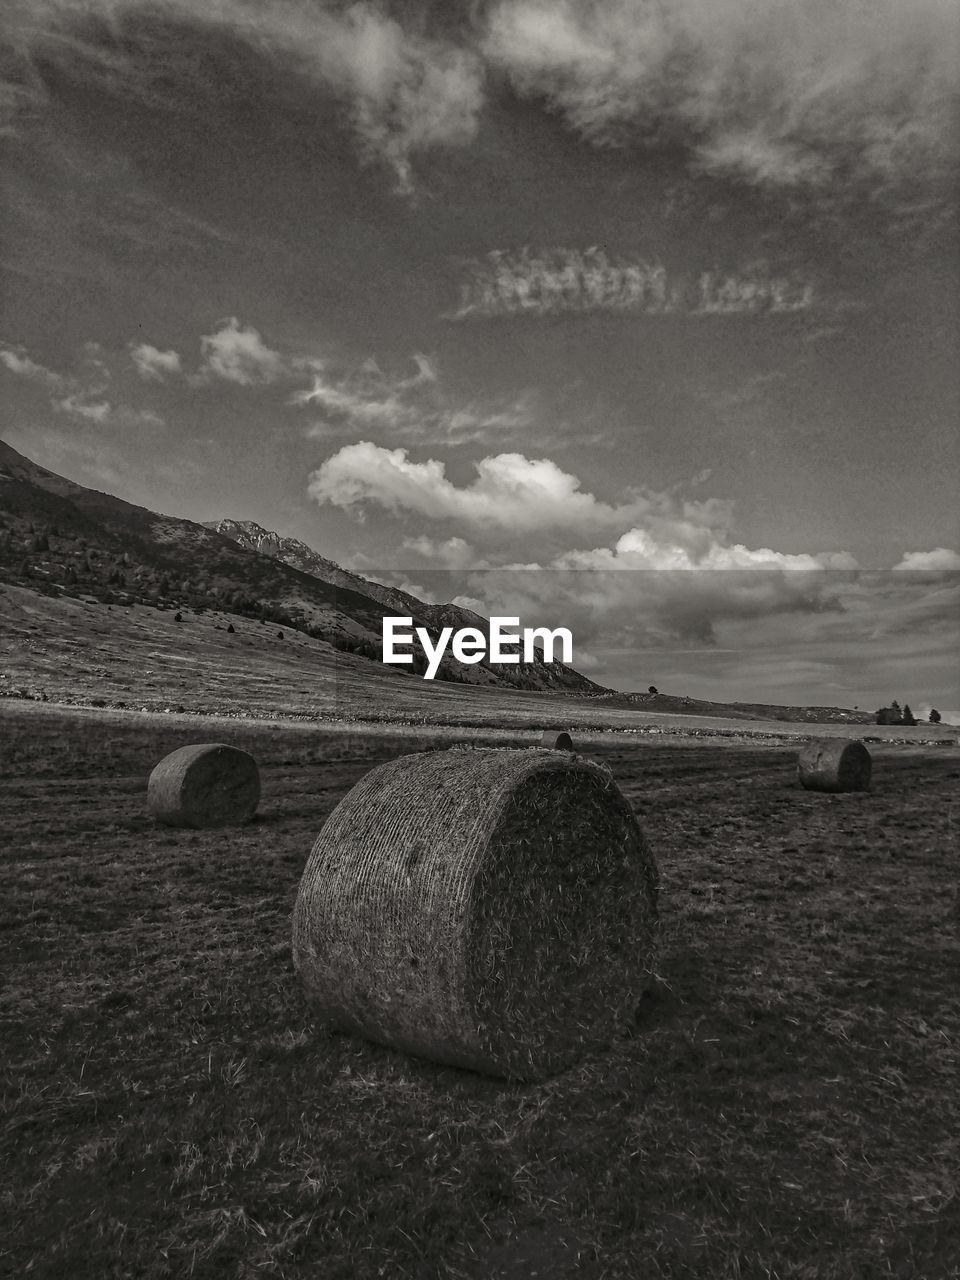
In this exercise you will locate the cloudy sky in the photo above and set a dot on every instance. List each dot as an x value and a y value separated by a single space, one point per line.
656 298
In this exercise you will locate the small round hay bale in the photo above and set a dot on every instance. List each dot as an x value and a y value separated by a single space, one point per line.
834 764
490 909
556 741
206 785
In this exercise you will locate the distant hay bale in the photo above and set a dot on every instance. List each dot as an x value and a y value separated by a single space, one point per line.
556 741
206 785
490 909
834 764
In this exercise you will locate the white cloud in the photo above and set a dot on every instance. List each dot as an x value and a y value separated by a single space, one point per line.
154 365
667 573
937 559
239 355
511 492
686 544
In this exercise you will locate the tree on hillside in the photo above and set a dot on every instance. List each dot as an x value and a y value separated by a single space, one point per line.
652 689
934 715
908 717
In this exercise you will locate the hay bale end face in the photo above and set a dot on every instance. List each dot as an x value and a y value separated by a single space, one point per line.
556 741
834 764
207 785
489 909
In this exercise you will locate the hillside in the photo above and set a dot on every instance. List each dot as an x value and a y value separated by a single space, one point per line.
293 552
58 537
673 705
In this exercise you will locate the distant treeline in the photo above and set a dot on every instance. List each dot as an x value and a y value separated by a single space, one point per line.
894 714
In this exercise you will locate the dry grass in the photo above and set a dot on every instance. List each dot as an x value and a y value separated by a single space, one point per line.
95 655
788 1108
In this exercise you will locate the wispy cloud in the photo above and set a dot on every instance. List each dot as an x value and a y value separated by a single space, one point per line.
81 395
89 406
16 360
779 92
85 405
559 280
782 93
408 408
115 465
448 553
403 91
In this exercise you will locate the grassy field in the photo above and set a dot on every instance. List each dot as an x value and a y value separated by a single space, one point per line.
787 1108
82 653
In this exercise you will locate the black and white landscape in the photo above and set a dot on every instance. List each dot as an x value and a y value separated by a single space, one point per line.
633 317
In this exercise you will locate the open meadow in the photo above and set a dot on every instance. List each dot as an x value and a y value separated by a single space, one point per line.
787 1106
83 653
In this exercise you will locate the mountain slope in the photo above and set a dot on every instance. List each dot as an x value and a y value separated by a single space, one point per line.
59 537
291 551
65 535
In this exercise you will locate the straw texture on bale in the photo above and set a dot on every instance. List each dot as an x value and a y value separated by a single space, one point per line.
490 909
834 764
206 785
556 741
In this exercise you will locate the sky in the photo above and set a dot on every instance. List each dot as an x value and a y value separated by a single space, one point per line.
636 316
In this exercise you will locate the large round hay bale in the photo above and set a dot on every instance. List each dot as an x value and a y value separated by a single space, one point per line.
834 764
206 785
556 741
491 909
